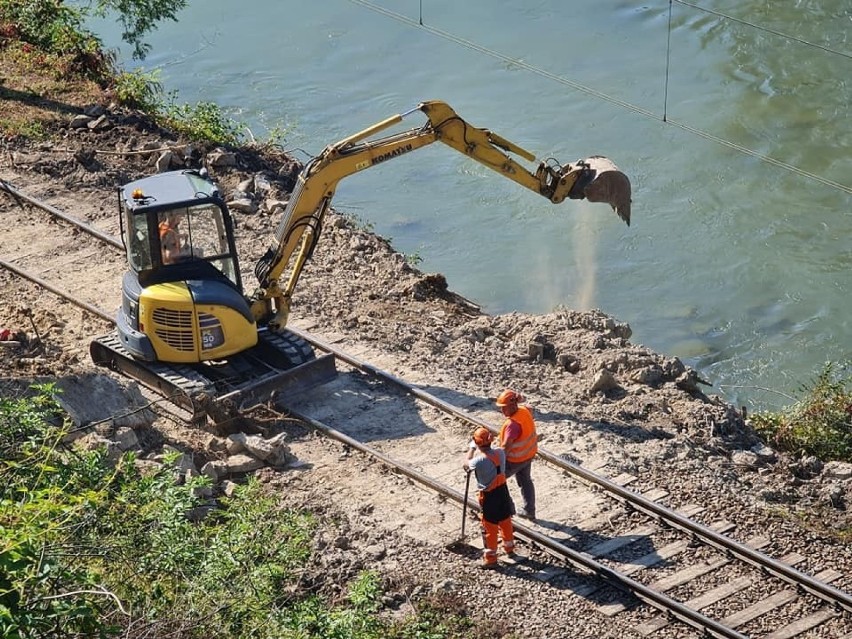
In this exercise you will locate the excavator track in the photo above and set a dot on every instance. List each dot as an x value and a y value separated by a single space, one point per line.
281 363
177 383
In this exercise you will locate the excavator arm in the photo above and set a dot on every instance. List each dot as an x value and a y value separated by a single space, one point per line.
596 179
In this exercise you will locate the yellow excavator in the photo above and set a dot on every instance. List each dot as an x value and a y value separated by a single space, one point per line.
186 328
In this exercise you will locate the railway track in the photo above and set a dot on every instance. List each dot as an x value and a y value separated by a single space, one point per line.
627 547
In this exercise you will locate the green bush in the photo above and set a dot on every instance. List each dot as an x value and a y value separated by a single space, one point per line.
203 122
55 29
41 502
58 27
819 424
138 89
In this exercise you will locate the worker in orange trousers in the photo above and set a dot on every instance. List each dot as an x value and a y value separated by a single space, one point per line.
489 468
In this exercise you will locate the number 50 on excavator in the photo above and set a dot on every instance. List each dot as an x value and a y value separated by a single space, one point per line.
187 329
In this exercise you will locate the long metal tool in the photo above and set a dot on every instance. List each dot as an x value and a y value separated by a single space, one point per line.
461 544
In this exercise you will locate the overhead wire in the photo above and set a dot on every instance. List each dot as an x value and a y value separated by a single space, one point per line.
668 60
419 24
758 27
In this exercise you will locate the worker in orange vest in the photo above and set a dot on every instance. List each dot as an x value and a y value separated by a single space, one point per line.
489 468
519 439
171 238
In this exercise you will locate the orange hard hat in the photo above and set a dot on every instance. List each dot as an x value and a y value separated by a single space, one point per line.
482 437
508 397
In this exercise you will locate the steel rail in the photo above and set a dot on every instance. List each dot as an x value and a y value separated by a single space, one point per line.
84 226
672 518
656 599
74 300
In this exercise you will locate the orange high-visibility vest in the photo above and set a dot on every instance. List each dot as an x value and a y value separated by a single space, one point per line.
500 479
526 446
169 235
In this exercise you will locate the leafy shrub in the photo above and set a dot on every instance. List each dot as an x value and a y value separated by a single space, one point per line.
40 501
55 29
138 89
820 423
58 27
203 121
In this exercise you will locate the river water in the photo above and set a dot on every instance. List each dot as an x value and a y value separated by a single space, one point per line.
732 123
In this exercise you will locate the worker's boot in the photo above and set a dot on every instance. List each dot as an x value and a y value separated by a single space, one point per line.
489 559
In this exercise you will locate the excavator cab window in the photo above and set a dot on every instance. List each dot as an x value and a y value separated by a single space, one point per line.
180 236
138 246
198 233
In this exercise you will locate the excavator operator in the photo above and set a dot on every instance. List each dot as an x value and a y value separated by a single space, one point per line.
170 238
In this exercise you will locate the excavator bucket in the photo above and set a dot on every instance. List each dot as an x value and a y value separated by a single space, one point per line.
605 183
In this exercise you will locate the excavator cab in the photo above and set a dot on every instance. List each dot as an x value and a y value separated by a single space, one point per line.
182 299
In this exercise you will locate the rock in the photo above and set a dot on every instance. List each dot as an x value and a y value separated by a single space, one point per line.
191 152
239 464
745 459
689 381
604 381
200 513
273 451
764 453
569 362
243 205
101 123
164 162
647 375
234 444
199 492
276 207
214 470
217 444
219 158
94 110
229 488
444 585
91 441
184 463
375 552
806 467
834 495
146 467
837 470
262 185
80 122
117 405
125 438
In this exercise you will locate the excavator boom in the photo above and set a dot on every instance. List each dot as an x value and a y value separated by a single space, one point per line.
596 179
